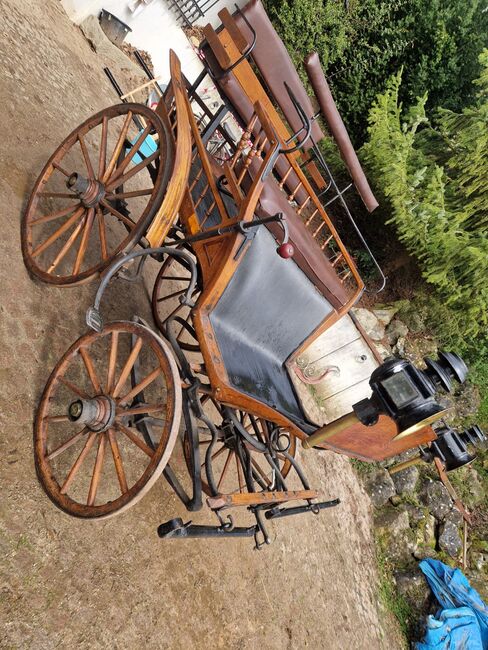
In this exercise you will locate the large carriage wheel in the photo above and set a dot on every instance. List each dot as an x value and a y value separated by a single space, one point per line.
226 467
89 454
171 283
97 194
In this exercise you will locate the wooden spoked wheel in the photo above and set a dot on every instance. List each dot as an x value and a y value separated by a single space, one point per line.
227 469
171 283
97 194
90 456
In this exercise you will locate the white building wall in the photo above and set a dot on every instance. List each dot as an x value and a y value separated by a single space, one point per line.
154 30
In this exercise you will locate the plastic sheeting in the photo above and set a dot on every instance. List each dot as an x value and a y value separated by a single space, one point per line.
463 623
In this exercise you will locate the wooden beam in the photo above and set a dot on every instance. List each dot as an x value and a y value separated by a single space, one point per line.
258 498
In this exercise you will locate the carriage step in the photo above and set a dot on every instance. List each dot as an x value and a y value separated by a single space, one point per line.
175 528
258 498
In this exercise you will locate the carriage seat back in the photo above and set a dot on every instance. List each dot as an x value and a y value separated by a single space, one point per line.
308 254
275 65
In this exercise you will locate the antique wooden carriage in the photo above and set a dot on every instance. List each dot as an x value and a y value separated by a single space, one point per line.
256 347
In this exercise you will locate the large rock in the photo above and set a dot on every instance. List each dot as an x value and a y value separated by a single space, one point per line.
401 547
384 350
425 532
406 480
395 330
412 586
423 552
373 327
385 314
454 516
391 522
416 513
437 499
477 492
399 347
449 539
380 487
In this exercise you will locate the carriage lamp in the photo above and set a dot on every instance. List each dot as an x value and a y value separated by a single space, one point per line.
403 392
451 446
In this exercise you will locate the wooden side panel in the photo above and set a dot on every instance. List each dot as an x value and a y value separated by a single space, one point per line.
376 443
168 211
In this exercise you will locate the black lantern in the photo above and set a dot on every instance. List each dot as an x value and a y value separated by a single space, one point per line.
403 392
407 394
451 447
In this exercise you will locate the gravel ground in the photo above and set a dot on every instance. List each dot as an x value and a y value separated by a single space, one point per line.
67 583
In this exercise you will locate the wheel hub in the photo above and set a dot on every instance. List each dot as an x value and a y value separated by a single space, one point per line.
98 414
91 192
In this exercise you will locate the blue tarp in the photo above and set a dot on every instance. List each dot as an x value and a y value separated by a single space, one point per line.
463 623
147 148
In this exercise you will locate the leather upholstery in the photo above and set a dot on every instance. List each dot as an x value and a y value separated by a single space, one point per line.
338 130
266 311
276 67
308 254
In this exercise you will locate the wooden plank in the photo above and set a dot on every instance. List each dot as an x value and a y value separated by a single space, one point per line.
252 87
217 47
257 498
376 442
168 211
235 33
232 183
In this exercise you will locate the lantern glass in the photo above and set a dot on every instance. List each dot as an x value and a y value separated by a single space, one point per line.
400 389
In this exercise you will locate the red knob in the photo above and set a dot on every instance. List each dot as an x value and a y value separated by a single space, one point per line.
286 250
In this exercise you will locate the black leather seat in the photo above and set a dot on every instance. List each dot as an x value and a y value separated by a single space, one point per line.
267 310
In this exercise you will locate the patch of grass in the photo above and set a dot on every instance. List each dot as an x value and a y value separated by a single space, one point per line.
389 597
362 469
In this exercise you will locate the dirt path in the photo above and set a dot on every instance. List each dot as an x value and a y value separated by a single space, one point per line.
66 583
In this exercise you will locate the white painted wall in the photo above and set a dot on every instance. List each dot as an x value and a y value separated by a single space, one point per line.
154 29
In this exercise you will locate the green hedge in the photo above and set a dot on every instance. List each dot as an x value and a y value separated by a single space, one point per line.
363 42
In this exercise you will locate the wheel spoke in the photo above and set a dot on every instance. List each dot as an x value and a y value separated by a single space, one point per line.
172 295
60 169
56 215
90 370
240 479
134 149
102 233
73 388
127 367
135 438
135 170
86 157
130 195
224 471
74 470
118 148
97 471
260 471
57 418
66 247
58 195
122 217
102 157
119 468
140 386
56 234
112 360
66 445
84 241
140 409
176 277
217 454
